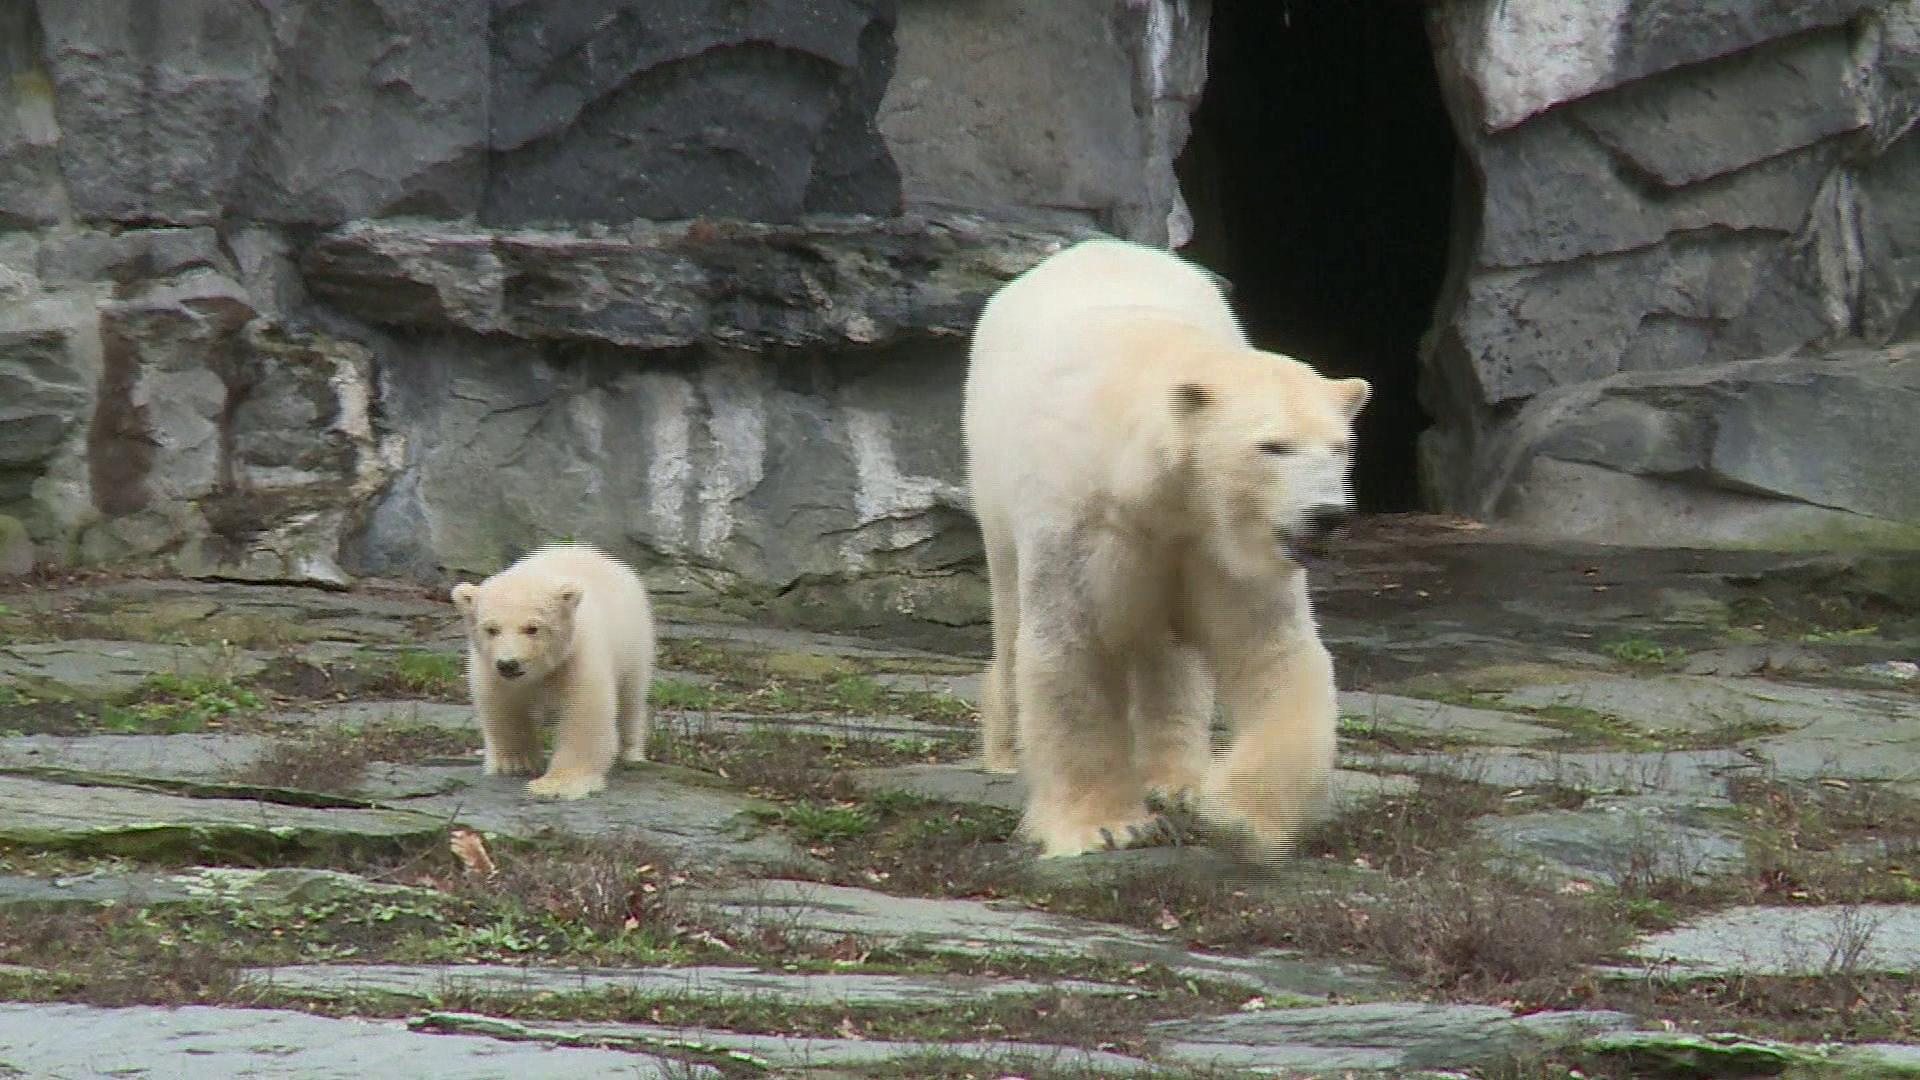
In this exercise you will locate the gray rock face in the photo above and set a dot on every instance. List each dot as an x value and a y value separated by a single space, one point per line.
1669 198
1077 106
613 110
320 114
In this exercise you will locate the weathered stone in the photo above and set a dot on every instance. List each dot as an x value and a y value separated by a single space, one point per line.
1890 241
883 728
1434 719
47 373
819 282
768 474
1718 427
204 763
133 257
226 885
762 115
1694 703
969 784
1788 941
106 668
1696 123
435 982
1517 61
790 1051
216 437
968 927
995 105
202 1040
1690 773
156 109
16 547
1387 1035
1552 195
693 817
1614 840
376 109
1686 1054
31 191
127 821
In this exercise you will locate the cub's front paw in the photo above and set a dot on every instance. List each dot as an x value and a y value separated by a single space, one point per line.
567 784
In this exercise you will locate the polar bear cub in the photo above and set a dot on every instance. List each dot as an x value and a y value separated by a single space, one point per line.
566 632
1146 484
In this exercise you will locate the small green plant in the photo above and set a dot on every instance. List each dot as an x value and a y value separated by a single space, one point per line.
1641 652
172 704
1816 637
816 823
428 672
678 694
857 693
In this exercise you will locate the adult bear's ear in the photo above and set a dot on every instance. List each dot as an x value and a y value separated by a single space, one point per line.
569 596
1354 394
1190 398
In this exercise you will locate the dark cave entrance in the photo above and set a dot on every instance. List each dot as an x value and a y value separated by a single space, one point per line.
1320 176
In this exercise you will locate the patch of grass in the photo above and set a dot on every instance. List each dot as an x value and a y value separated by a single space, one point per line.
1642 652
855 693
816 823
333 759
173 704
429 673
1828 844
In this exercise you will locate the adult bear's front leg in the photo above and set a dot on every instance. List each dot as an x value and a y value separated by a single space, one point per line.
1084 788
1275 777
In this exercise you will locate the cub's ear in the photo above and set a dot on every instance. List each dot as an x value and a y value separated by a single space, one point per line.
568 594
1354 394
463 597
1190 398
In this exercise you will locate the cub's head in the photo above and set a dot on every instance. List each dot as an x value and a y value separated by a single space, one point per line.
519 628
1272 460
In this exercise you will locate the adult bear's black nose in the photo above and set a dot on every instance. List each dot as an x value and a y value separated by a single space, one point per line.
1325 520
509 667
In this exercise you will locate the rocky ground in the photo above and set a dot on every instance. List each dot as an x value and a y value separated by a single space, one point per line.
1621 813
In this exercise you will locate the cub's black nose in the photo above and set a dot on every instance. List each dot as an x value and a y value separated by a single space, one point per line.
510 668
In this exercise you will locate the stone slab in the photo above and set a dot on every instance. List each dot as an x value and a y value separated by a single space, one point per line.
127 821
50 1040
975 928
1387 1035
93 668
1614 839
433 982
792 1051
1788 941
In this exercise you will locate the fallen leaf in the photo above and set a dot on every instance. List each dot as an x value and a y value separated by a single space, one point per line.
472 852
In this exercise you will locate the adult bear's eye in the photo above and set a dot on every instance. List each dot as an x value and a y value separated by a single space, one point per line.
1277 447
529 630
493 631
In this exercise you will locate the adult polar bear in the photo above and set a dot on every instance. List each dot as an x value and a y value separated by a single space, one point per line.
1145 482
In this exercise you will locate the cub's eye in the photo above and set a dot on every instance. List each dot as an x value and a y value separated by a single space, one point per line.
1344 449
529 630
493 631
1274 446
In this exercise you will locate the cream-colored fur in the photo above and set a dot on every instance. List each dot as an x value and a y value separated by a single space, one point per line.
577 623
1145 481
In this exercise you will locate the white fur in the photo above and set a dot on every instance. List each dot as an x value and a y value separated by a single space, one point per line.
1141 536
579 623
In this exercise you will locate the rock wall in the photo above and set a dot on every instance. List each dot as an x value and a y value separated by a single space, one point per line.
306 290
1686 223
299 291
